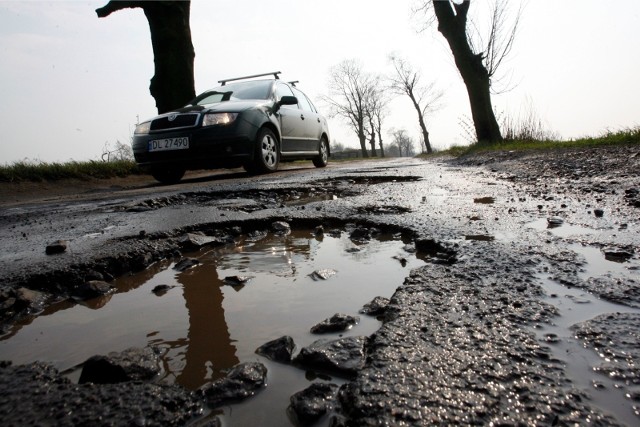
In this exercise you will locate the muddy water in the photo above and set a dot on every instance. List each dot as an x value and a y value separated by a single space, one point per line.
205 326
577 305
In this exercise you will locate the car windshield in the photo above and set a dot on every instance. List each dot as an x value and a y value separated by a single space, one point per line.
258 89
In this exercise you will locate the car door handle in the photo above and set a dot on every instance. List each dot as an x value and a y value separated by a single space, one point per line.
302 116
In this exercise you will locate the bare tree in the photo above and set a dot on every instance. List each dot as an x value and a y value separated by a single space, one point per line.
376 113
337 146
172 86
117 152
425 98
350 93
500 40
371 133
379 115
403 142
476 64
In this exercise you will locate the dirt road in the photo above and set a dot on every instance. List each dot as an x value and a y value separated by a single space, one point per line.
526 309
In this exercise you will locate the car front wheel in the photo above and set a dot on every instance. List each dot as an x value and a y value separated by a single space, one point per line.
168 175
323 154
267 155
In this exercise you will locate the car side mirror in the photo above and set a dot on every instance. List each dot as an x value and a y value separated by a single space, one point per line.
285 100
288 100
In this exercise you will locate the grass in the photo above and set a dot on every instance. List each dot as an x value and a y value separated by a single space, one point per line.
626 136
41 171
92 169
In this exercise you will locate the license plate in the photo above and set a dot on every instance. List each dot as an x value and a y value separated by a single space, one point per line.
167 144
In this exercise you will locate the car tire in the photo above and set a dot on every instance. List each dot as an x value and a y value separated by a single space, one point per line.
323 154
168 175
267 155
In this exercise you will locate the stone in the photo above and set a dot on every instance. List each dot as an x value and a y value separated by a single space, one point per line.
344 356
281 227
376 307
554 221
435 252
29 299
337 323
160 290
237 280
185 264
313 402
192 241
242 381
37 394
322 274
279 350
57 247
92 289
360 234
132 364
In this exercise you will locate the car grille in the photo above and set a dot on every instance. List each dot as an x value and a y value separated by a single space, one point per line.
180 121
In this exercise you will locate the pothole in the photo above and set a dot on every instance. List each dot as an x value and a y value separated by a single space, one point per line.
241 200
383 210
205 323
252 200
372 180
607 377
559 229
484 200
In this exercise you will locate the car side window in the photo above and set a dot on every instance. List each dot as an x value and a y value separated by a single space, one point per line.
313 107
284 90
303 101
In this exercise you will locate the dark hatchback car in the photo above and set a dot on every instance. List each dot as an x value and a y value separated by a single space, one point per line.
255 124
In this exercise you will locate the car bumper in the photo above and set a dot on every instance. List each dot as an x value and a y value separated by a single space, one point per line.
211 147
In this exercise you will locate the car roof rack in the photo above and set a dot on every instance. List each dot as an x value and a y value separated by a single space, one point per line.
274 73
293 83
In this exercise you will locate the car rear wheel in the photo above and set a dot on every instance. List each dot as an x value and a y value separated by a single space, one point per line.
168 175
323 155
267 155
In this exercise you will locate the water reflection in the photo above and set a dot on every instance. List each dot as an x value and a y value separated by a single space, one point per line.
204 326
207 348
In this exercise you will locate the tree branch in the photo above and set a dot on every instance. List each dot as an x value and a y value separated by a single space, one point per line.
114 6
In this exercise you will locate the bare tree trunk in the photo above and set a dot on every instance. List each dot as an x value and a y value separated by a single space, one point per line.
173 85
423 126
372 140
363 140
452 21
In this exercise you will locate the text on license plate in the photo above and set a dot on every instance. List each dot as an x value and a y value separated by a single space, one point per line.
169 144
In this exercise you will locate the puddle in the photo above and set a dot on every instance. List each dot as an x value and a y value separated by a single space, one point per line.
484 200
372 180
480 237
205 326
560 230
298 200
598 264
577 305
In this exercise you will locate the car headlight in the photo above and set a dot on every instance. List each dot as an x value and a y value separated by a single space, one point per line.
142 128
212 119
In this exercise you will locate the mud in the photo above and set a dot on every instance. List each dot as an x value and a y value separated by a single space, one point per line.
471 338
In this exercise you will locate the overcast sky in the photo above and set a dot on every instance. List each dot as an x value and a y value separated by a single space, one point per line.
71 82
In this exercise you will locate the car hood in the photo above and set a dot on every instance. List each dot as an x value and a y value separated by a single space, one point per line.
226 106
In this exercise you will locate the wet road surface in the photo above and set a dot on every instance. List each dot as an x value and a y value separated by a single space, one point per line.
526 312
